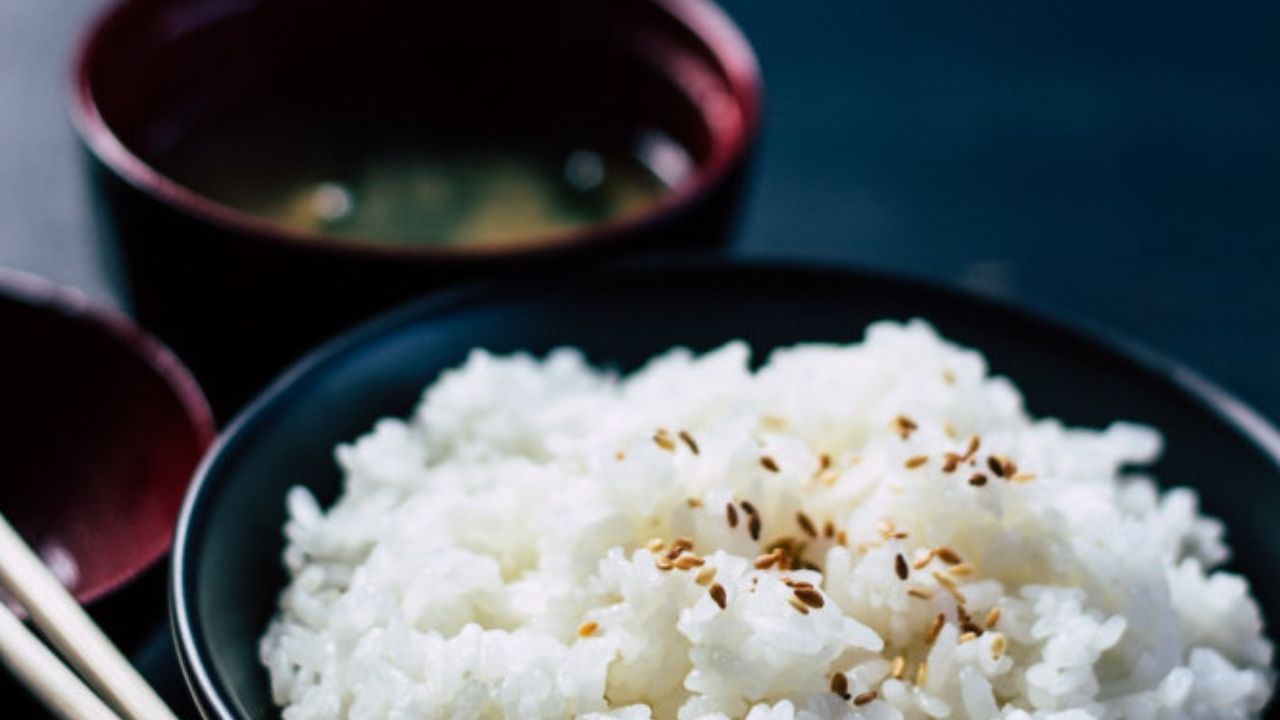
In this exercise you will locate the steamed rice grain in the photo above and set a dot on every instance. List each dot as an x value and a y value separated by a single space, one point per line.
876 530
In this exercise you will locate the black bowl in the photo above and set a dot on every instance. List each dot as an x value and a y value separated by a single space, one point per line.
227 569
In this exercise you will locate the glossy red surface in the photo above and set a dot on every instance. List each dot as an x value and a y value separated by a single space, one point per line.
101 428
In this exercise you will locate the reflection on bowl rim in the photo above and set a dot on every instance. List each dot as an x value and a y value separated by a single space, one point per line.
703 18
75 307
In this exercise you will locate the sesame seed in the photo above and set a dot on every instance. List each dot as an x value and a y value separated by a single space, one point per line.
688 440
748 508
693 502
620 456
828 529
688 562
950 462
921 593
898 667
1022 477
922 673
842 537
977 480
961 570
716 591
809 596
806 524
947 555
705 575
886 528
993 617
949 429
998 646
731 515
948 377
916 461
774 422
968 637
824 461
768 560
923 558
996 466
753 527
587 629
655 544
865 698
840 685
904 426
768 463
663 441
934 628
799 606
678 546
663 564
828 477
972 448
944 580
900 567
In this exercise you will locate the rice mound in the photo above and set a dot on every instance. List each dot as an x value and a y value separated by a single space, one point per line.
543 539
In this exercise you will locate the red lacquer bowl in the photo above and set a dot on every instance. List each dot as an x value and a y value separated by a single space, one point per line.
100 430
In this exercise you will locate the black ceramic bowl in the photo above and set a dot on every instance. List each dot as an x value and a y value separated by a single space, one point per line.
238 297
227 568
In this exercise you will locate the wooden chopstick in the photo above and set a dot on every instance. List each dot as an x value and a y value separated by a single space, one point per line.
40 670
73 633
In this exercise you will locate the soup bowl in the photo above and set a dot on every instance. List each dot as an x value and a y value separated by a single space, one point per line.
228 571
238 295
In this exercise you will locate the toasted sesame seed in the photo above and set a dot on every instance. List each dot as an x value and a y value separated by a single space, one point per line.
753 526
961 570
705 575
840 685
768 463
904 426
968 637
921 593
655 544
915 461
716 591
947 555
972 448
886 528
948 377
828 529
688 562
806 524
950 461
768 560
944 580
678 546
774 422
997 467
923 558
898 667
799 606
693 502
731 515
587 629
993 617
998 646
620 456
828 477
842 537
866 547
949 429
663 441
900 567
865 698
748 508
1022 477
663 564
809 596
977 479
824 461
900 535
922 673
934 628
1002 466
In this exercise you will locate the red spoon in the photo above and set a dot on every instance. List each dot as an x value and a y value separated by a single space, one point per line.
100 429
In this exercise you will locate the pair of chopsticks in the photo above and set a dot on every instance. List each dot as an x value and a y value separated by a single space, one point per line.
124 694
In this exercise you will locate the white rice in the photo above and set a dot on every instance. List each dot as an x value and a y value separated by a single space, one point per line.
490 556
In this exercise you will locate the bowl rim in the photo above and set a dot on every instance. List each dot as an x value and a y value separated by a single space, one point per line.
702 18
74 307
194 655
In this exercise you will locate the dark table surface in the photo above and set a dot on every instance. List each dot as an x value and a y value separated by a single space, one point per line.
1118 162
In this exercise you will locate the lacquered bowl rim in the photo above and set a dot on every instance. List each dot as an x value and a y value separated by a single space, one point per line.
707 21
74 308
193 648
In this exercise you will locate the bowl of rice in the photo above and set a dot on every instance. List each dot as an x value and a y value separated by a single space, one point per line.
732 491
